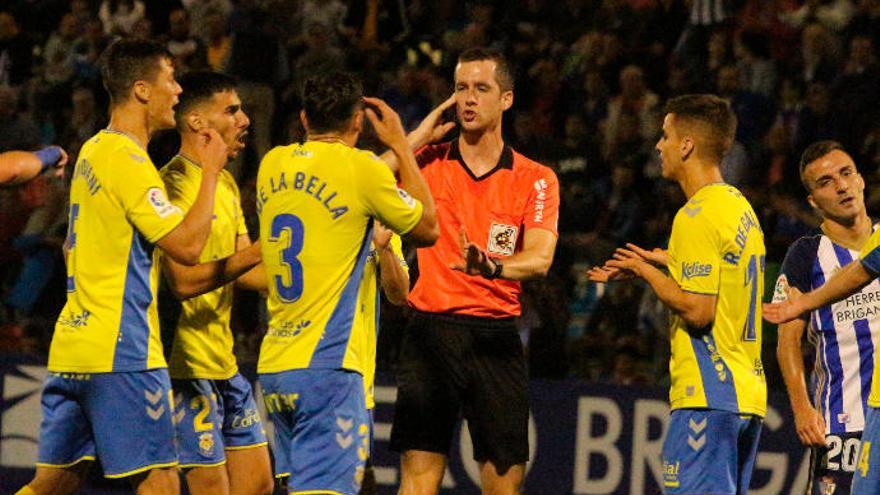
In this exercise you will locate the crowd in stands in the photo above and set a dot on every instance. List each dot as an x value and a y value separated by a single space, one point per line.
592 78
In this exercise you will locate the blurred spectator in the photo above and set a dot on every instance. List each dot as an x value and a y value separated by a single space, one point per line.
17 130
58 53
120 16
754 113
83 121
757 72
634 98
814 122
188 51
832 14
818 54
217 39
859 83
201 10
16 52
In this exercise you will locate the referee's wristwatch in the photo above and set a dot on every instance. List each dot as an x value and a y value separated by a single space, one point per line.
496 273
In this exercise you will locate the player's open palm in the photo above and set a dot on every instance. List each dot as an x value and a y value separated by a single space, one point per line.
656 256
385 121
432 128
211 150
810 426
781 312
604 274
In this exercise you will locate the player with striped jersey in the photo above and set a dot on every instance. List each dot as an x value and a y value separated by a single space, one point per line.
316 203
718 394
107 393
843 334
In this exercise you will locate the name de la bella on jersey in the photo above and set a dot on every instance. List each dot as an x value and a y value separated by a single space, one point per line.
312 185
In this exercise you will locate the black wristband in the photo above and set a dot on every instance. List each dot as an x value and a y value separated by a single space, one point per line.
496 273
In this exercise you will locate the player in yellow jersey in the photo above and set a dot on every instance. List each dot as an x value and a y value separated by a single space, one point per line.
386 268
108 391
316 203
716 264
221 442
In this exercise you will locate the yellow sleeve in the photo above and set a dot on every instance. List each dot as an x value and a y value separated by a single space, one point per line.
382 198
143 196
870 255
397 249
695 254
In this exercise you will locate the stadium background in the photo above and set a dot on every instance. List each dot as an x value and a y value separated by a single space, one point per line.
592 76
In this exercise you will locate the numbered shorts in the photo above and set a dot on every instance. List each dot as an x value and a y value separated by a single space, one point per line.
866 479
832 467
709 452
123 419
322 430
212 416
453 366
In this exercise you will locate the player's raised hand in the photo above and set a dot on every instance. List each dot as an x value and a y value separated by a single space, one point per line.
211 150
475 261
432 128
385 121
381 235
810 426
656 256
61 163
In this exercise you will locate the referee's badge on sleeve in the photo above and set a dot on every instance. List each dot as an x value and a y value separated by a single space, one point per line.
502 239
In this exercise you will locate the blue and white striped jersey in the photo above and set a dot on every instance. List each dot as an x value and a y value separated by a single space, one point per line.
844 334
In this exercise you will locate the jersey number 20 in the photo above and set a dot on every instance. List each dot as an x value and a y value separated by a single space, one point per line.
292 290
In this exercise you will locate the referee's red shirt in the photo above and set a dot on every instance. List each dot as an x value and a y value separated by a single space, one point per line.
495 209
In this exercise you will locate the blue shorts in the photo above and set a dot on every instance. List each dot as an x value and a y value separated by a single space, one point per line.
866 479
212 416
122 418
709 452
322 429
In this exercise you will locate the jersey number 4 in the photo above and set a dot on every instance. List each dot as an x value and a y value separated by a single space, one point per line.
289 284
750 330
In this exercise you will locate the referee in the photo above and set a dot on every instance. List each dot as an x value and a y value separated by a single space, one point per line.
461 354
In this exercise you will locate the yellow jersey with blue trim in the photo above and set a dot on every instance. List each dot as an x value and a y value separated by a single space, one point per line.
717 248
203 341
118 210
316 203
870 259
369 313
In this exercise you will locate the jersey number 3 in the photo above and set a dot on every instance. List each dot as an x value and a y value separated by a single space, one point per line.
289 284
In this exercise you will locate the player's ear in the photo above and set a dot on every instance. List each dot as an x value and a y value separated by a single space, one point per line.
194 121
687 147
506 100
812 201
304 120
357 121
141 91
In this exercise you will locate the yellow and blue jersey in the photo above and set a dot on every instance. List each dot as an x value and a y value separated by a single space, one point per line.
316 204
717 248
870 259
203 341
369 291
118 210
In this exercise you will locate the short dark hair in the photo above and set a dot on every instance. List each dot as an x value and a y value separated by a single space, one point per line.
199 87
126 61
814 152
503 72
330 100
710 112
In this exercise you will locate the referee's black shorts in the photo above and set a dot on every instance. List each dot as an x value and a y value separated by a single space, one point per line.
452 366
